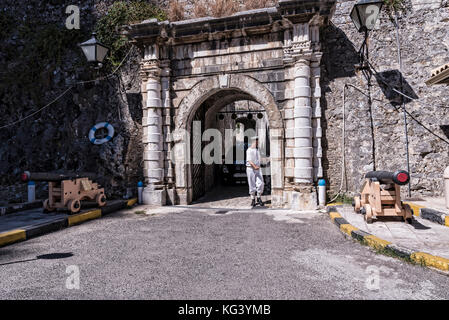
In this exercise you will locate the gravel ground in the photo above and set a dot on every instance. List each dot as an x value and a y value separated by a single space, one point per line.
178 253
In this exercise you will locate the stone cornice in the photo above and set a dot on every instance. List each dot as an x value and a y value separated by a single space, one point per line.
245 23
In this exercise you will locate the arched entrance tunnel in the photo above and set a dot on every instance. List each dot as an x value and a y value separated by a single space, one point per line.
222 128
215 124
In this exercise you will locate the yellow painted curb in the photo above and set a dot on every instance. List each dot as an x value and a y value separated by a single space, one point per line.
375 242
348 228
12 236
78 218
430 260
415 208
334 204
446 221
334 215
132 202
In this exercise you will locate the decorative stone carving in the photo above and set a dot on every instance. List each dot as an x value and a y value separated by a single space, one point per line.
241 57
152 128
301 49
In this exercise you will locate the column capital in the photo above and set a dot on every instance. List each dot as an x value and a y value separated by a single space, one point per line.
302 60
164 64
150 64
149 69
316 57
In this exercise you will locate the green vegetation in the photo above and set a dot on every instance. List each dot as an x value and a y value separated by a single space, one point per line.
140 212
39 51
390 253
119 14
343 198
47 43
394 5
40 48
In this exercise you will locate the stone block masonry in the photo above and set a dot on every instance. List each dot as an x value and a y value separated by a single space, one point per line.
424 34
269 56
296 67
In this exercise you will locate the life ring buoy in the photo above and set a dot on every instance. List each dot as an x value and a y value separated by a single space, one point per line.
100 125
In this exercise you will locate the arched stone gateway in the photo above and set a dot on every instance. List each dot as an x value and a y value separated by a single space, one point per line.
233 87
243 87
270 56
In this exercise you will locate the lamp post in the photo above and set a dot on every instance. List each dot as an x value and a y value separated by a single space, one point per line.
404 110
364 16
94 50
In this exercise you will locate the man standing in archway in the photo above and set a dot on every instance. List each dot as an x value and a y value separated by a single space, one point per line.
254 173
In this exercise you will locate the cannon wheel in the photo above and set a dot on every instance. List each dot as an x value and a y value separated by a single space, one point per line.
357 204
408 214
74 206
100 199
47 207
368 214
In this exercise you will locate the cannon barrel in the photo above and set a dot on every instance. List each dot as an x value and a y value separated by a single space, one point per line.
49 176
399 177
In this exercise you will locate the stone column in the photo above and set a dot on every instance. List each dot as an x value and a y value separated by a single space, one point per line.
303 151
277 176
299 55
154 192
316 102
316 122
167 137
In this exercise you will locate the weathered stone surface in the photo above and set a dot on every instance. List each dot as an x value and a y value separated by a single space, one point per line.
255 57
259 65
56 139
424 34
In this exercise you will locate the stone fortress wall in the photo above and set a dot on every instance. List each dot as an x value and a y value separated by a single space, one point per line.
424 39
424 29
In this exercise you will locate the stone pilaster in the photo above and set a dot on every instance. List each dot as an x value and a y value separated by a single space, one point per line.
167 138
277 176
154 192
299 46
303 152
316 118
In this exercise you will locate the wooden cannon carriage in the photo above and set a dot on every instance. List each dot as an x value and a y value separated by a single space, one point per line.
381 196
67 191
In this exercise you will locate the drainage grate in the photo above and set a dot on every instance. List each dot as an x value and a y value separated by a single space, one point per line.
221 211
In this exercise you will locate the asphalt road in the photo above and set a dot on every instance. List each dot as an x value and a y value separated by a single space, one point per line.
195 254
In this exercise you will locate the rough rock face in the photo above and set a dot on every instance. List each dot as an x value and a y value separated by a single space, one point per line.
57 137
424 39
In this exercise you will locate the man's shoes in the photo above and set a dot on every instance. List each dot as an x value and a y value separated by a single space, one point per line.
260 202
253 203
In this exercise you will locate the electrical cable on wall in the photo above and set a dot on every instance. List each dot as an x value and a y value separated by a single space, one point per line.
343 165
398 109
343 148
400 93
408 97
66 91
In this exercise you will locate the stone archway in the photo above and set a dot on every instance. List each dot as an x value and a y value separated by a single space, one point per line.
234 87
245 86
271 56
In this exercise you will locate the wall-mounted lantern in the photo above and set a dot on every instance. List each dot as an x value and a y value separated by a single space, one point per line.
94 50
365 14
